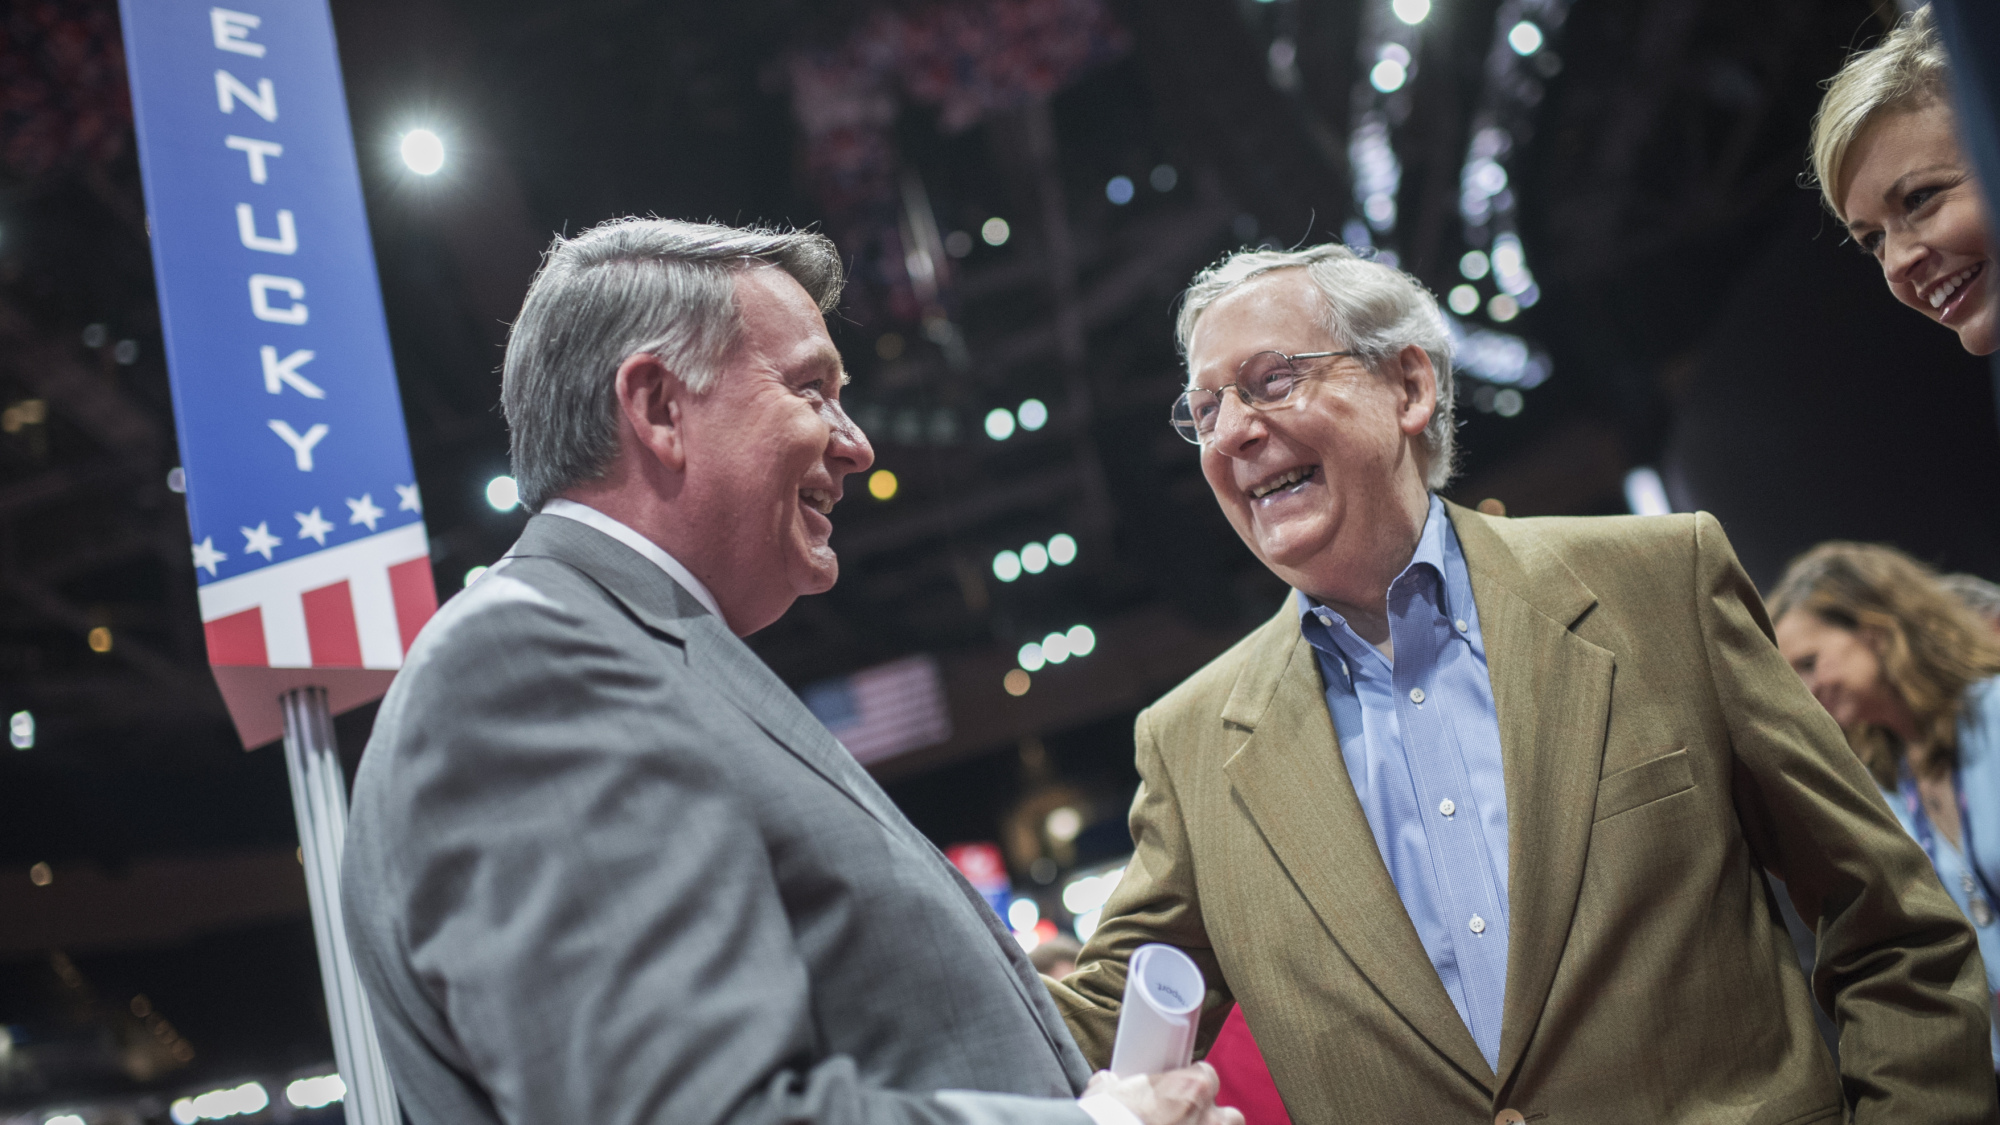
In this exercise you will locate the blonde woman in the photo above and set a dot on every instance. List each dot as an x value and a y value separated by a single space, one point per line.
1909 671
1888 163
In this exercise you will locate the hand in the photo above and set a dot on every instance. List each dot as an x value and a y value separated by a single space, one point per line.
1178 1097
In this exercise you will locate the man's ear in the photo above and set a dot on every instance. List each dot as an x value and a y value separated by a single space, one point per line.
653 401
1417 383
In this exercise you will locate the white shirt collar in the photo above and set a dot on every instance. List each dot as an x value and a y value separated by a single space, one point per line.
591 517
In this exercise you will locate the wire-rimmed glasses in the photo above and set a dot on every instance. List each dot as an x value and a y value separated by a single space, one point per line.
1264 379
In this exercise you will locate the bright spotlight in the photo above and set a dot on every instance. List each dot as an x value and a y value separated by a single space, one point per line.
1022 914
1082 641
1055 648
1006 566
1063 824
1463 299
1030 657
882 484
995 231
502 494
1062 549
1474 265
423 151
64 1119
312 1093
217 1104
999 423
1503 308
472 575
1526 38
1411 11
1119 190
1034 558
21 730
1033 413
1388 76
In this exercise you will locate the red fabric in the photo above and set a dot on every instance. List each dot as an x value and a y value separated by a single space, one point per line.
1246 1080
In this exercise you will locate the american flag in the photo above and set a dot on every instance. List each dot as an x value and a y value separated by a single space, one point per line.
886 710
358 605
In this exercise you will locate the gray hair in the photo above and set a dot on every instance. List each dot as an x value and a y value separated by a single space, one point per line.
1977 592
659 286
1371 308
1907 70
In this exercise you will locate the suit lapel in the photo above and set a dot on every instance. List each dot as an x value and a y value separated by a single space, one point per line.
1290 775
1552 690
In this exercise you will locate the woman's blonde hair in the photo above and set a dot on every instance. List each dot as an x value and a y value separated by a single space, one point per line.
1906 71
1932 645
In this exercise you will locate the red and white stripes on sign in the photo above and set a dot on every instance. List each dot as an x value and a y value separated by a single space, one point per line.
358 605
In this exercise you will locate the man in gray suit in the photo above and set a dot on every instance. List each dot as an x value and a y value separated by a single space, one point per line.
603 867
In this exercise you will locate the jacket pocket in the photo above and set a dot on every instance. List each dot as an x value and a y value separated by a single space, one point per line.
1644 783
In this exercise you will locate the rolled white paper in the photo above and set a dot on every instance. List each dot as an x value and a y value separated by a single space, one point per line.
1156 1025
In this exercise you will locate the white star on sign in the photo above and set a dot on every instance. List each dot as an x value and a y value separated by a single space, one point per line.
410 501
312 526
364 511
206 556
259 540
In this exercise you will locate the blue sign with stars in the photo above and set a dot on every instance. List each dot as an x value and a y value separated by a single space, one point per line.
291 428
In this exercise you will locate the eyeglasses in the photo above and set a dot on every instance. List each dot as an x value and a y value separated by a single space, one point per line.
1264 379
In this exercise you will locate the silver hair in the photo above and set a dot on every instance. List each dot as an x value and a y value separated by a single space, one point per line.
1371 308
659 286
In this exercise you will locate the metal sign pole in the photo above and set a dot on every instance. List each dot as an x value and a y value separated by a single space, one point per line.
319 799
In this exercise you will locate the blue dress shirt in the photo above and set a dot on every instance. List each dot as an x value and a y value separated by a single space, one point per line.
1421 740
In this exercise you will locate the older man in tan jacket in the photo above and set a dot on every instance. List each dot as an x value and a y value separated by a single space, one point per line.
1475 828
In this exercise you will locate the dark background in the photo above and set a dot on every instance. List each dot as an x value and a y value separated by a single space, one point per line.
1702 316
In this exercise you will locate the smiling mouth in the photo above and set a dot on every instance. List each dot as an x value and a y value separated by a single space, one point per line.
1941 297
818 499
1288 480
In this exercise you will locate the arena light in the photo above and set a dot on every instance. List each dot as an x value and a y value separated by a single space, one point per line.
423 151
1022 914
1033 414
21 730
1062 549
1411 12
1646 493
472 575
1163 177
1525 38
316 1092
882 484
1119 190
1034 558
65 1119
502 494
1474 265
1463 299
238 1101
1006 566
1055 648
995 231
1082 640
1030 657
1388 76
999 423
1063 824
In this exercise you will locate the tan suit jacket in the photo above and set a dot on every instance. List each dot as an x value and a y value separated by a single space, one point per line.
1658 751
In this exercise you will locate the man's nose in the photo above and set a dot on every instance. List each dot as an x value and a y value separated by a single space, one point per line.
848 444
1237 425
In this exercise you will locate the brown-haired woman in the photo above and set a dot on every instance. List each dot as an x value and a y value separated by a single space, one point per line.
1909 671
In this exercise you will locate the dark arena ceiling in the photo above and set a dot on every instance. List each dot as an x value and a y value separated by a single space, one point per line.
1682 304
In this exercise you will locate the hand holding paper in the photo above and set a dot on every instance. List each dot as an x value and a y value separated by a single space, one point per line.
1156 1025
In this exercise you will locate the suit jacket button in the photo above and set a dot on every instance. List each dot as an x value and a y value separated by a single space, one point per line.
1509 1117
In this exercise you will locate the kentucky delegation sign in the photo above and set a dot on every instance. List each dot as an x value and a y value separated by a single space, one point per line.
309 541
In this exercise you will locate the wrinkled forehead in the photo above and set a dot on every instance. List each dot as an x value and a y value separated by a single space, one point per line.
1280 311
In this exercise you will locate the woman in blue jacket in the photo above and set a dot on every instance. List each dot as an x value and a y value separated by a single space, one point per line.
1913 675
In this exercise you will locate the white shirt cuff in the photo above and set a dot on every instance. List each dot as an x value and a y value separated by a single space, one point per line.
1107 1110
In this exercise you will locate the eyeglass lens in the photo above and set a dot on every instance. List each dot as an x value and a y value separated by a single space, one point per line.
1264 378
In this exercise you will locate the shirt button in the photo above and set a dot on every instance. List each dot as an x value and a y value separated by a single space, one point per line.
1446 807
1477 925
1460 623
1326 619
1509 1117
1416 695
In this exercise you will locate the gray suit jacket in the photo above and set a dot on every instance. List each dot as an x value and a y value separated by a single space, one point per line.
604 868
